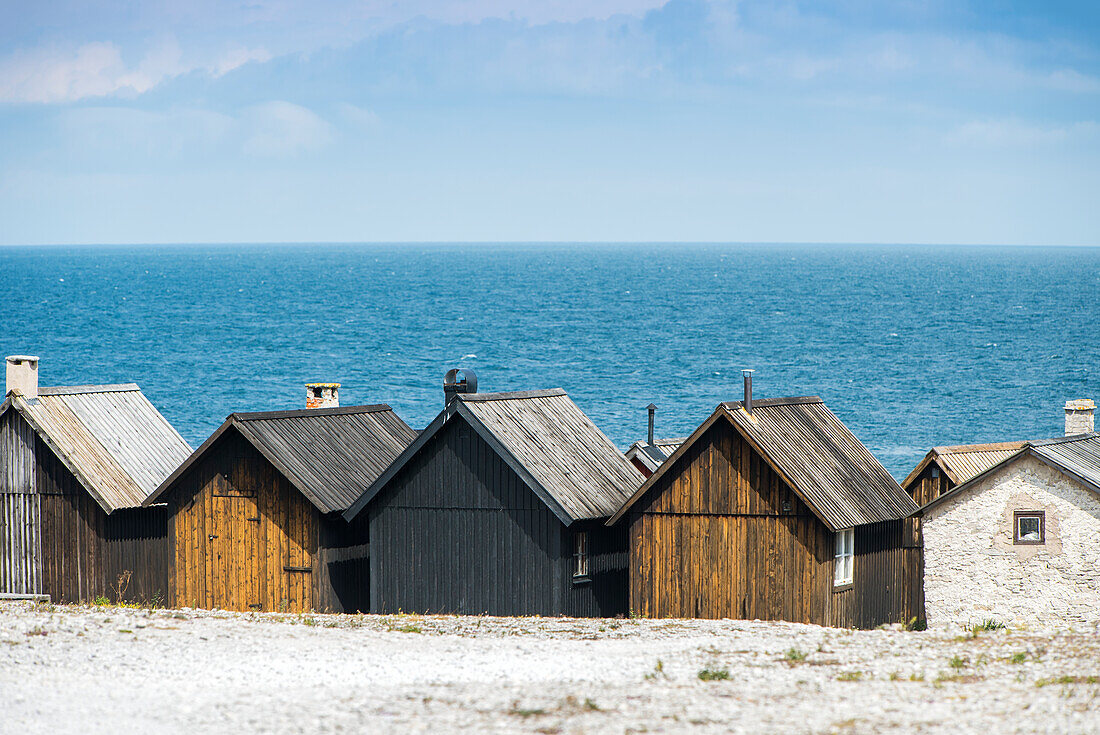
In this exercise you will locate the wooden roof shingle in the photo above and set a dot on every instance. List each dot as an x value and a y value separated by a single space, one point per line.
548 441
330 455
110 437
816 454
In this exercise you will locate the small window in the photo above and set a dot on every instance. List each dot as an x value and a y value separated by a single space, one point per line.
845 552
1029 527
580 555
317 393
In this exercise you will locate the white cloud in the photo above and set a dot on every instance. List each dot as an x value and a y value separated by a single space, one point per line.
283 128
52 75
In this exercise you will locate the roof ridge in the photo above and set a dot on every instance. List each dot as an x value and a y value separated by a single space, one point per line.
981 447
64 390
790 401
511 395
1064 439
309 412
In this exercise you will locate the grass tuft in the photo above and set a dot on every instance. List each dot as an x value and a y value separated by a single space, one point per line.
709 674
851 676
794 656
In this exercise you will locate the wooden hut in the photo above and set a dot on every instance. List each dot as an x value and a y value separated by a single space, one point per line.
773 511
945 468
254 514
76 463
498 508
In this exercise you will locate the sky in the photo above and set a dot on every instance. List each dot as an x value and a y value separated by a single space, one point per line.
884 121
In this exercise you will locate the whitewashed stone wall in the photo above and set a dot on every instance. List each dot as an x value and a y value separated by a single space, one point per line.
973 571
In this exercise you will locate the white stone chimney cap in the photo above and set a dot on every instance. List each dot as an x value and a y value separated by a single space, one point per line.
23 358
1080 404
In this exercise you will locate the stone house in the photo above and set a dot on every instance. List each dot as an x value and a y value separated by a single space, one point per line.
1020 542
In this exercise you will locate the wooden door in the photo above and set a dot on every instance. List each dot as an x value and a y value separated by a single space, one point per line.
234 568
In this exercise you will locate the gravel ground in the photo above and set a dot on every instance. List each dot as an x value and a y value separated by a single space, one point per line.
90 670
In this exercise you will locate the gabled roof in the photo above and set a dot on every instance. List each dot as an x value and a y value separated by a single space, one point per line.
1077 456
547 440
110 437
964 461
814 453
328 454
652 455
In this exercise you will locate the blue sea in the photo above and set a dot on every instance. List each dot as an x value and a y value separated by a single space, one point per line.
911 346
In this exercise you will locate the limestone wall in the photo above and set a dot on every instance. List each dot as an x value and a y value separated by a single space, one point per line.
973 571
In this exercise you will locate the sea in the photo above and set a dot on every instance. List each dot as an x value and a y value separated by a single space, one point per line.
911 346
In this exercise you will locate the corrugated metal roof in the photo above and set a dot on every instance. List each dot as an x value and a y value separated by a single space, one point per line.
548 441
110 437
961 462
825 464
560 446
1078 456
329 454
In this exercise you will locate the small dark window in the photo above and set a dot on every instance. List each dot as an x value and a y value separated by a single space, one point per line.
1029 527
317 392
580 555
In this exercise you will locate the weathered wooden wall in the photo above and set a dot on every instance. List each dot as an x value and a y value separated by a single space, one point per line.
722 536
888 577
243 538
712 539
85 551
457 531
925 488
20 534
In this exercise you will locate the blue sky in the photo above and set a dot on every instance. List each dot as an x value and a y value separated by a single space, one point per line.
279 120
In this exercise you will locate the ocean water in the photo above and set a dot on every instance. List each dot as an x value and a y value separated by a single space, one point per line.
911 346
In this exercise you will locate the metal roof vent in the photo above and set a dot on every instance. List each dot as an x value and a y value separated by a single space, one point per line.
453 384
747 403
652 408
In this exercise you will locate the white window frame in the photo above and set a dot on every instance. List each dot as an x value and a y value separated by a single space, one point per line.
844 558
580 555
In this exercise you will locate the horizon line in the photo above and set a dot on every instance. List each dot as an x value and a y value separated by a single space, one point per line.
762 243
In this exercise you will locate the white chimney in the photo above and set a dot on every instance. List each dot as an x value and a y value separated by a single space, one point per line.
1079 416
322 395
22 375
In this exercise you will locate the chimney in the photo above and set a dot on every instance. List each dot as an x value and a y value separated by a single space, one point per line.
22 376
652 410
747 403
1079 414
452 384
322 395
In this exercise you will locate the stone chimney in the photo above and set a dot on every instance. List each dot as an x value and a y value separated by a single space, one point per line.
322 395
22 375
1078 416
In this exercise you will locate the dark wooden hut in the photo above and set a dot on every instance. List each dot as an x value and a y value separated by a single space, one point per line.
498 508
777 514
945 468
76 463
254 514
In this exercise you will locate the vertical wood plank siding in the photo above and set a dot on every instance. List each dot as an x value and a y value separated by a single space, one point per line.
721 535
457 531
20 534
84 551
887 577
243 538
925 488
